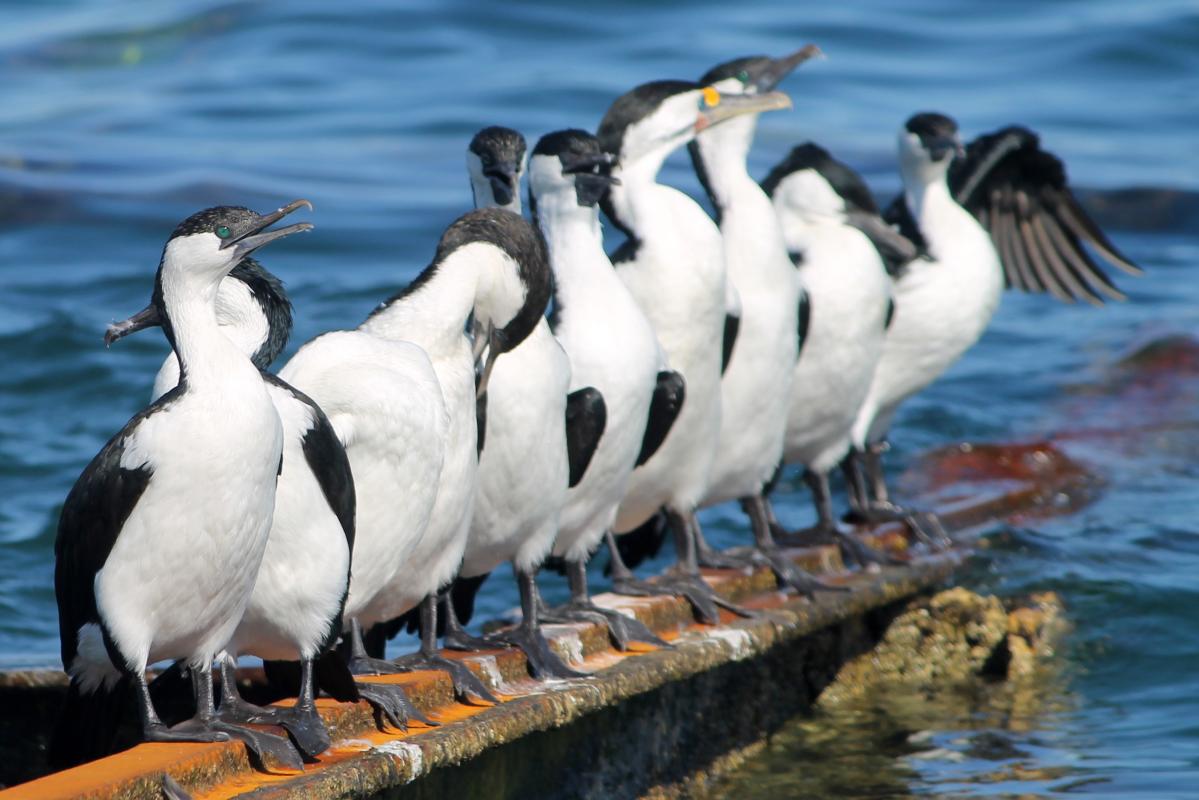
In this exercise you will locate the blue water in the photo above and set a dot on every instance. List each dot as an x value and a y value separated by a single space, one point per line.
117 119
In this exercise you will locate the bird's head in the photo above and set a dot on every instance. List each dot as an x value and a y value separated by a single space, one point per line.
569 164
928 143
495 160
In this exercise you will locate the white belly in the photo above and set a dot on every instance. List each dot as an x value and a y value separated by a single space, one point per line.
523 468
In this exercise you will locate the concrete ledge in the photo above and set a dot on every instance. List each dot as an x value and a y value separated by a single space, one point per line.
718 688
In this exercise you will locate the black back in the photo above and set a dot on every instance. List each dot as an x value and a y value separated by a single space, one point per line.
586 418
92 517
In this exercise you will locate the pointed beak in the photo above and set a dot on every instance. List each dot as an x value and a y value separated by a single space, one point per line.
593 176
727 106
941 146
252 237
780 68
503 179
495 346
146 318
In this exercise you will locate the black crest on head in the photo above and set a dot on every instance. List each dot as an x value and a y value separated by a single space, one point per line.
634 106
497 143
931 125
208 220
845 182
568 142
269 293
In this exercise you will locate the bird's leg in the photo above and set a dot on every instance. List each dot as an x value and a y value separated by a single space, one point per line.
305 726
685 578
825 531
466 684
875 505
543 661
455 636
622 628
362 664
708 556
855 484
624 582
786 571
266 749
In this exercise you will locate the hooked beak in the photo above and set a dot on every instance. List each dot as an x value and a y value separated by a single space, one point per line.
252 237
780 68
503 179
146 318
593 176
941 146
727 106
494 343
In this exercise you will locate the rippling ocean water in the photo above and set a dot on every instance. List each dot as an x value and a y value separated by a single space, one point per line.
119 118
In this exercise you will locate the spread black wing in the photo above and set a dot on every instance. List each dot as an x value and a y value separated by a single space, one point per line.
1020 194
586 416
805 318
732 324
91 520
669 396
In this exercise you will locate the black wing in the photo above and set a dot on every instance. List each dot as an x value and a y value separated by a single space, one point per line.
895 249
805 318
480 421
327 459
586 416
664 408
91 520
900 216
1019 193
732 324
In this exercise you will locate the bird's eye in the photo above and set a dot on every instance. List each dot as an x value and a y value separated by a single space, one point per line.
223 231
743 76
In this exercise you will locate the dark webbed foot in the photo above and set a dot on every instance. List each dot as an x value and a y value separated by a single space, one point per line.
622 628
694 584
365 665
718 559
466 683
702 604
305 726
171 789
391 703
462 641
789 574
543 661
266 750
926 526
852 548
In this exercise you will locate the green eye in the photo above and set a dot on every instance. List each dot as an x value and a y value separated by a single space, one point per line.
743 76
223 231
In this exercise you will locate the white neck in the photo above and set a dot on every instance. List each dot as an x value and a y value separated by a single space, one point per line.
724 150
576 244
204 351
434 315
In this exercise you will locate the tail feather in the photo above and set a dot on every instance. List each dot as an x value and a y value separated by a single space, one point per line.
88 724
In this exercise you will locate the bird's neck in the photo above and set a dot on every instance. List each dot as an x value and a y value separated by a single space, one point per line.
432 311
206 354
576 244
719 155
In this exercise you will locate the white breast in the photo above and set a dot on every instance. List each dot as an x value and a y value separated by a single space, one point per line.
523 468
384 400
849 292
678 280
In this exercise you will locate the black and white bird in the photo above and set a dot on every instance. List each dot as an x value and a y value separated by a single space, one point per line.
1003 215
495 161
413 443
673 265
834 234
294 613
160 540
612 348
757 381
536 443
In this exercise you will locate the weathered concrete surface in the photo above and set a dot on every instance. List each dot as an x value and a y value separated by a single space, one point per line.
719 689
955 649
